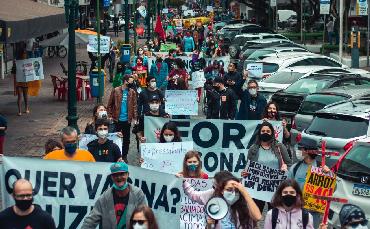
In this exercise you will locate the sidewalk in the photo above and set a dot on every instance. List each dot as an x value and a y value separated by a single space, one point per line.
27 134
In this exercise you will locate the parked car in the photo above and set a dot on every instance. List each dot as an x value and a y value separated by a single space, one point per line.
353 181
284 78
240 40
290 99
317 101
340 125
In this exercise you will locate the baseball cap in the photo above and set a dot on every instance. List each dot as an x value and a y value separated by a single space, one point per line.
118 167
154 97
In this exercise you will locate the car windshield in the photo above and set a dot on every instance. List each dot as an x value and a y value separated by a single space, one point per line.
308 85
331 125
248 52
240 41
259 53
284 77
357 162
230 32
270 68
315 102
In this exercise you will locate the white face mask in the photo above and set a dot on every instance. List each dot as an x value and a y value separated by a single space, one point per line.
102 114
231 197
153 84
168 138
138 226
154 107
358 227
102 134
252 91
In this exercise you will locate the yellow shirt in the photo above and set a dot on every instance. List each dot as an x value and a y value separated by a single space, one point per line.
80 155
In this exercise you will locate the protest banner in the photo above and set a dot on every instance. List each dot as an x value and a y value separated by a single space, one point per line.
68 190
29 70
320 184
198 79
262 181
87 138
164 157
192 213
255 70
223 144
92 46
167 47
181 102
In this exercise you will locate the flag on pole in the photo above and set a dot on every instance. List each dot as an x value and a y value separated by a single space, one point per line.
159 29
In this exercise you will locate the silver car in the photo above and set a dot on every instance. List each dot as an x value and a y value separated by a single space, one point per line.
353 181
340 125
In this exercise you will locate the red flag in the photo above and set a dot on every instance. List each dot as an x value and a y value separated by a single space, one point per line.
159 29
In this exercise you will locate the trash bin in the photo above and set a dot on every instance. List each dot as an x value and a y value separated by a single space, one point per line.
125 53
94 82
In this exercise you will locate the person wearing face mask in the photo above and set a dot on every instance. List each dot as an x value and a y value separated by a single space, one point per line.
198 63
143 218
115 206
155 110
288 212
140 54
122 107
70 151
221 101
188 42
243 212
120 72
298 171
146 94
103 149
99 112
159 71
141 71
169 133
268 151
351 216
25 214
178 77
170 60
192 166
252 103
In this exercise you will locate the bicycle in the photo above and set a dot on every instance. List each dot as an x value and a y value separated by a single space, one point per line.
59 51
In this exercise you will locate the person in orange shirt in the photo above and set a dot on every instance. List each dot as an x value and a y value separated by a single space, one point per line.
70 151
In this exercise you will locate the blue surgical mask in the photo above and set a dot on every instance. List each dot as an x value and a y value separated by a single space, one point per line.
120 188
231 197
192 167
70 148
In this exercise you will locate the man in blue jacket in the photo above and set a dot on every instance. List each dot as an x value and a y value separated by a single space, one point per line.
252 104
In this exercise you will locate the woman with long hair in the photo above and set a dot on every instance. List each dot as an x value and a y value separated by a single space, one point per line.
192 166
243 212
143 218
268 151
99 112
288 204
169 133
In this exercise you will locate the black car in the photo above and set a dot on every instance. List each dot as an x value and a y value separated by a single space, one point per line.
290 99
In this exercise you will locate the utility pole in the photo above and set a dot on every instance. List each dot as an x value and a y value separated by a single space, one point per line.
71 11
135 24
127 22
98 29
148 16
340 30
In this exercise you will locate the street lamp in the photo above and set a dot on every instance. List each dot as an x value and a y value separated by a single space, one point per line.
127 19
71 11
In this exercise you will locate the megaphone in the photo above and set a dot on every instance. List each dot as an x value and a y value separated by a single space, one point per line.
217 208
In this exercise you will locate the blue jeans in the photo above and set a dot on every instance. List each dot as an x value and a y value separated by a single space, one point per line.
330 37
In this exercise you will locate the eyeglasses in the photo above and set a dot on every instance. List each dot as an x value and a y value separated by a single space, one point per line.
23 196
140 222
355 224
293 193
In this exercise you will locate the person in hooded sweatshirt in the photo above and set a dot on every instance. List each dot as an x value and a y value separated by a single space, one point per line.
288 209
188 42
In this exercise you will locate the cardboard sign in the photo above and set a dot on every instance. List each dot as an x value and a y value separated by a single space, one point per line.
181 102
29 70
198 79
92 46
255 70
320 184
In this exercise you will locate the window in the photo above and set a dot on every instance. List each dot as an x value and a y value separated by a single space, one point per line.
305 62
364 81
331 125
308 85
343 83
284 77
269 68
325 62
316 102
257 54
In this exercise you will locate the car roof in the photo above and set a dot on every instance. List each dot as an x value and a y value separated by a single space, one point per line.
239 25
353 107
268 40
287 58
286 55
258 35
350 90
282 48
309 69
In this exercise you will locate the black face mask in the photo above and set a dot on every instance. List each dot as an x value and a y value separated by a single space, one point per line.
265 137
289 200
23 204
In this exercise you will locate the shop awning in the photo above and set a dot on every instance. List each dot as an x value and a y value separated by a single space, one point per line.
24 19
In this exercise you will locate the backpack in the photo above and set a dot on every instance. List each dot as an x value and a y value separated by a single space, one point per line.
275 214
295 169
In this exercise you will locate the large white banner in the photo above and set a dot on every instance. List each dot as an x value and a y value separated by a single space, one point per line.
193 215
92 46
29 70
68 190
224 60
223 144
262 181
164 157
87 138
181 102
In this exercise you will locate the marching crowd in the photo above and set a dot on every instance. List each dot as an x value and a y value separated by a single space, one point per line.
138 92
